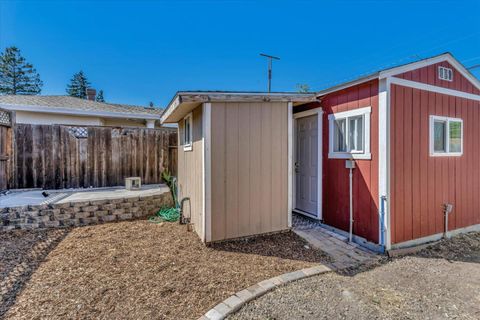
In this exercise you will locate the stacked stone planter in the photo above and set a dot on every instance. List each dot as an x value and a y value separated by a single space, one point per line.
81 213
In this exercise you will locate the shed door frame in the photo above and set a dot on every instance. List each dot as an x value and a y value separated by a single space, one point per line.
319 112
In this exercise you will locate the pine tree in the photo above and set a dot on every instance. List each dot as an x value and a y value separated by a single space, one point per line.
78 85
16 75
99 97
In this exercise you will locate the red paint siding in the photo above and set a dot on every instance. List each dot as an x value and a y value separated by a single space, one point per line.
420 184
335 175
429 75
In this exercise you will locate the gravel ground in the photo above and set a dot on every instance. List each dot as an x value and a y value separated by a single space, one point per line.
440 282
140 270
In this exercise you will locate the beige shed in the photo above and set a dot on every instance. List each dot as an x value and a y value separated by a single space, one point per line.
235 160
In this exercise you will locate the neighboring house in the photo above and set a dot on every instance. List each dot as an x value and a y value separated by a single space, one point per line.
66 110
247 160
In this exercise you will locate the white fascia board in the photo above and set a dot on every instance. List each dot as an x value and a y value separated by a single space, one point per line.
424 63
429 87
103 114
350 113
170 108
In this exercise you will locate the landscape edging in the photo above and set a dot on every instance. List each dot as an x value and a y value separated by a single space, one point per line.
233 303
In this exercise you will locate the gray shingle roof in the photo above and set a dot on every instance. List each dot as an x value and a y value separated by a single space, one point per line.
72 103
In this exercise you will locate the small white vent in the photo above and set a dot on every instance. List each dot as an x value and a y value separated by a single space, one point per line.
445 74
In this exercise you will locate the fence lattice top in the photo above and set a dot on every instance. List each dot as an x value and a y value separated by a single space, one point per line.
5 118
79 132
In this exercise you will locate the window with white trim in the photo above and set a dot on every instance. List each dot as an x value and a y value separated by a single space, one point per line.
446 136
349 134
187 133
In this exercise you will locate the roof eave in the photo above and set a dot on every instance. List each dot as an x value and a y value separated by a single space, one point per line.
191 99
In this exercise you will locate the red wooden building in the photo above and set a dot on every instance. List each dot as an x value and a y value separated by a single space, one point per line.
413 132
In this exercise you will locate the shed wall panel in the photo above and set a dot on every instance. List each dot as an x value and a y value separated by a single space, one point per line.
420 183
190 171
249 168
365 176
336 211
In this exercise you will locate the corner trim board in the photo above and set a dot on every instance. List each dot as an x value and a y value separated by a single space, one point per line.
207 169
290 164
384 160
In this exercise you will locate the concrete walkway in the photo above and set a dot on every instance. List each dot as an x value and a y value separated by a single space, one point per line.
344 254
18 198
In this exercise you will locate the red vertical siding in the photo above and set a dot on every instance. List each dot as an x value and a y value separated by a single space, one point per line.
420 184
336 180
429 75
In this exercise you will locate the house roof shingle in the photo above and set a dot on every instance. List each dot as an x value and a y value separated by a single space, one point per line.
76 104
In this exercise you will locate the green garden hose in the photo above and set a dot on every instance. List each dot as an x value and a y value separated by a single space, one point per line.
165 214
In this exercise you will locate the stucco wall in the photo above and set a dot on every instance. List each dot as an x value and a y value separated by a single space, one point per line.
50 118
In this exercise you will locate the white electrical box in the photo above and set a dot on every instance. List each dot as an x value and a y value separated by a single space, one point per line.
350 164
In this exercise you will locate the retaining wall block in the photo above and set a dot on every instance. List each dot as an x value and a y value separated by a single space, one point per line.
110 206
41 218
51 224
125 205
89 220
82 215
99 202
118 211
62 205
108 218
125 216
132 199
90 208
100 213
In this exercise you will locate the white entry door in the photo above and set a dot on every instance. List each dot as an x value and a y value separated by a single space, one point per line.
307 165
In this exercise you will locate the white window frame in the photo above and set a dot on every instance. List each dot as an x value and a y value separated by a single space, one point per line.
442 71
447 152
365 154
187 146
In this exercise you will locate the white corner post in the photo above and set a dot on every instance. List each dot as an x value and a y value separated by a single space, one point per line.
150 124
290 164
384 162
207 170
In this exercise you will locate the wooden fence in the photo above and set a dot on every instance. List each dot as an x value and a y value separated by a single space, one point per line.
7 120
56 156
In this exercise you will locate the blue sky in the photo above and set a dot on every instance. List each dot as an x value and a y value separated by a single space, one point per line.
141 51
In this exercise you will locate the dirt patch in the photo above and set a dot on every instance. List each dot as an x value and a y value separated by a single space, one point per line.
21 252
441 282
139 270
465 247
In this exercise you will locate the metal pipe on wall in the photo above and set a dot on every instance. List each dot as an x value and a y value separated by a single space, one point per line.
350 164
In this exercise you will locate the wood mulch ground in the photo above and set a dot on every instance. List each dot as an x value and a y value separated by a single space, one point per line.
140 270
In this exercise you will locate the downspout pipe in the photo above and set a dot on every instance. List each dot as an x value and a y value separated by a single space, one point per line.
350 164
383 222
447 209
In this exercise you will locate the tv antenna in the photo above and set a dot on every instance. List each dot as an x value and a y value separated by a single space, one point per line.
270 58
